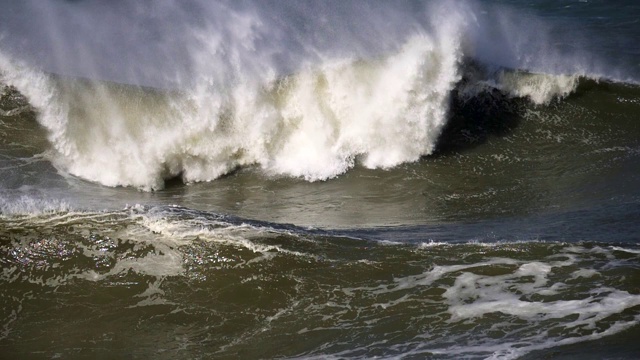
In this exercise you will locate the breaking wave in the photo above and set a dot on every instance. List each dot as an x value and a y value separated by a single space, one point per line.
326 110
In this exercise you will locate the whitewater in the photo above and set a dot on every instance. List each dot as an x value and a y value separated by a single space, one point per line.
378 109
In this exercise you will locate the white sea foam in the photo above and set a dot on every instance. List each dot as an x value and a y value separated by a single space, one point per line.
180 232
584 273
540 88
531 291
158 242
310 125
32 206
632 251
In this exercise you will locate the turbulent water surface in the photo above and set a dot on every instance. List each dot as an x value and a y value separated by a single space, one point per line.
420 179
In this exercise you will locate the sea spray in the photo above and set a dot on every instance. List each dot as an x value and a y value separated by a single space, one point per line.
311 124
277 95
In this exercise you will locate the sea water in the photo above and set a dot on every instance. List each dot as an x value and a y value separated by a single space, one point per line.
437 179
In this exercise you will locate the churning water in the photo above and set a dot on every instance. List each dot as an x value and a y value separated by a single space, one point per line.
427 179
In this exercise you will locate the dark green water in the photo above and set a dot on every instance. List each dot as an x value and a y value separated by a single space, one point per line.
468 188
170 282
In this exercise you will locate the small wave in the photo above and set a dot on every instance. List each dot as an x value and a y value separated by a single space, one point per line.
158 241
26 205
539 88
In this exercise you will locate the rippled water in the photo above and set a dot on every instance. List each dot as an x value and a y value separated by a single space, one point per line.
320 180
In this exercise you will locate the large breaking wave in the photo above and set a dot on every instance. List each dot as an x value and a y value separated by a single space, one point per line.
304 90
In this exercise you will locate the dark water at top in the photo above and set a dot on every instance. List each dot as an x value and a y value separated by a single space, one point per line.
320 180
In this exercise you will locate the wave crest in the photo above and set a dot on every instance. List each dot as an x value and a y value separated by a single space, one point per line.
311 125
314 123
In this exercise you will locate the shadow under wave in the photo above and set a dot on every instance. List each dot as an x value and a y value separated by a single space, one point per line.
476 116
473 120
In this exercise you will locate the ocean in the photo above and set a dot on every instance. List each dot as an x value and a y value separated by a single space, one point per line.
320 180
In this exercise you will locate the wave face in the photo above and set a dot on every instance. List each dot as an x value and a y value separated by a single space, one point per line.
300 90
